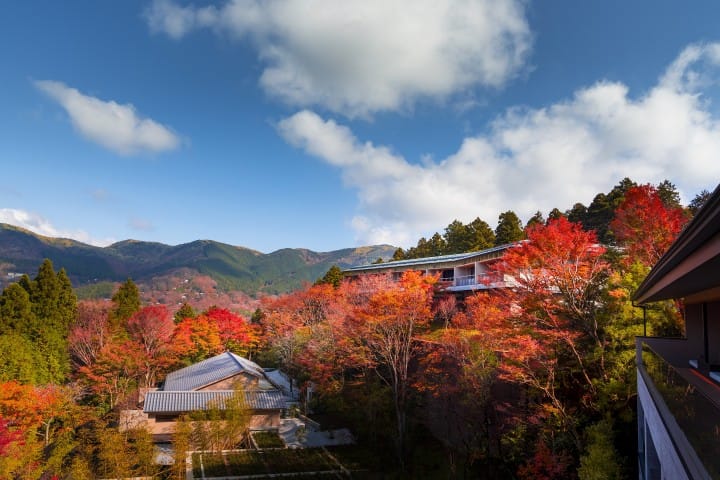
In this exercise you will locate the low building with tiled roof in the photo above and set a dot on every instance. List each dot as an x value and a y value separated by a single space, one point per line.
205 384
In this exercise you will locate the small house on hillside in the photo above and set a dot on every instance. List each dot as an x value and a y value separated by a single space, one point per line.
207 383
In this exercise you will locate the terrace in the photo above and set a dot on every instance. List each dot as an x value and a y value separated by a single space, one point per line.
686 399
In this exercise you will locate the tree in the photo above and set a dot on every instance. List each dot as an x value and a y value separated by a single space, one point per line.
181 446
600 461
392 318
457 238
399 254
236 334
602 209
333 276
536 219
481 235
578 213
223 424
152 328
90 332
698 201
16 311
667 191
437 245
126 301
196 339
509 228
645 226
554 215
553 316
20 360
185 311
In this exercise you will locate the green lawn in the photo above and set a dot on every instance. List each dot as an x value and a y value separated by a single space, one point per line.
251 462
268 440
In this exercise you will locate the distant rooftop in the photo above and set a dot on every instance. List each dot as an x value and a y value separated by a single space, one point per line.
210 371
440 259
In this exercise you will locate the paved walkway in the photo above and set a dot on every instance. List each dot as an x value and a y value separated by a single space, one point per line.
295 435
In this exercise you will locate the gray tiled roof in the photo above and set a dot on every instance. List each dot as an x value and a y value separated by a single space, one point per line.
210 371
178 402
455 257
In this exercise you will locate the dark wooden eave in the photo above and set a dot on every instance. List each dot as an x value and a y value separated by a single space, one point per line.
690 268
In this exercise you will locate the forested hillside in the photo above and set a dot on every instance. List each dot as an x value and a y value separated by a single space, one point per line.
232 268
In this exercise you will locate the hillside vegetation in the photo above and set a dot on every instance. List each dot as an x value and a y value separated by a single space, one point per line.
233 268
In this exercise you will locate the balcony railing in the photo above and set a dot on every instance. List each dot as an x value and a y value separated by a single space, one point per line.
687 394
464 280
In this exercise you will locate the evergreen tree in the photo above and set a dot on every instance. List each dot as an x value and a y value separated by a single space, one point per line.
185 311
16 311
437 245
333 276
127 302
378 260
509 228
578 213
536 219
399 254
668 194
698 201
45 295
554 214
602 210
67 300
481 235
458 238
257 316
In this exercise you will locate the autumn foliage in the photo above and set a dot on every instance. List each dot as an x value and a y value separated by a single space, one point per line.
645 226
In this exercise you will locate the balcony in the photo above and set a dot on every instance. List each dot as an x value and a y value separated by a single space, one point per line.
690 398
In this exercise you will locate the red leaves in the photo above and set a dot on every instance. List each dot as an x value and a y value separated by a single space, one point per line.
645 226
152 327
235 333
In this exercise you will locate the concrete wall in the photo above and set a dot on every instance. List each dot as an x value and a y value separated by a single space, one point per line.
162 430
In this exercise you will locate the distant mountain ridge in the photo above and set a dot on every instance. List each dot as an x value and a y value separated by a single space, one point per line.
233 268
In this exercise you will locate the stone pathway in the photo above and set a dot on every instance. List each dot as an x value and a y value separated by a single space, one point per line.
296 435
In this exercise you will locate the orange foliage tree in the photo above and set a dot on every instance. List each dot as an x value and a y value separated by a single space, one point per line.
391 320
547 326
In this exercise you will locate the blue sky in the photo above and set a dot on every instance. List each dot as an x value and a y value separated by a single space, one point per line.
325 124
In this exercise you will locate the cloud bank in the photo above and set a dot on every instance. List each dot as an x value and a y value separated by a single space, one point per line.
37 224
532 158
116 127
364 56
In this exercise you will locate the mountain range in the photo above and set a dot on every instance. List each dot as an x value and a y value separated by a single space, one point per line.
232 267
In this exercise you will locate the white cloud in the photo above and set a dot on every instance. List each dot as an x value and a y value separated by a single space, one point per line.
364 56
116 127
532 158
37 224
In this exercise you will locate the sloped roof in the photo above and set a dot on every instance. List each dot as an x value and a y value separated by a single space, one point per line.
690 266
179 402
210 371
418 262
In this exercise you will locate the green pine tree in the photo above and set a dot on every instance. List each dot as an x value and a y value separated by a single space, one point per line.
509 229
333 276
127 302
